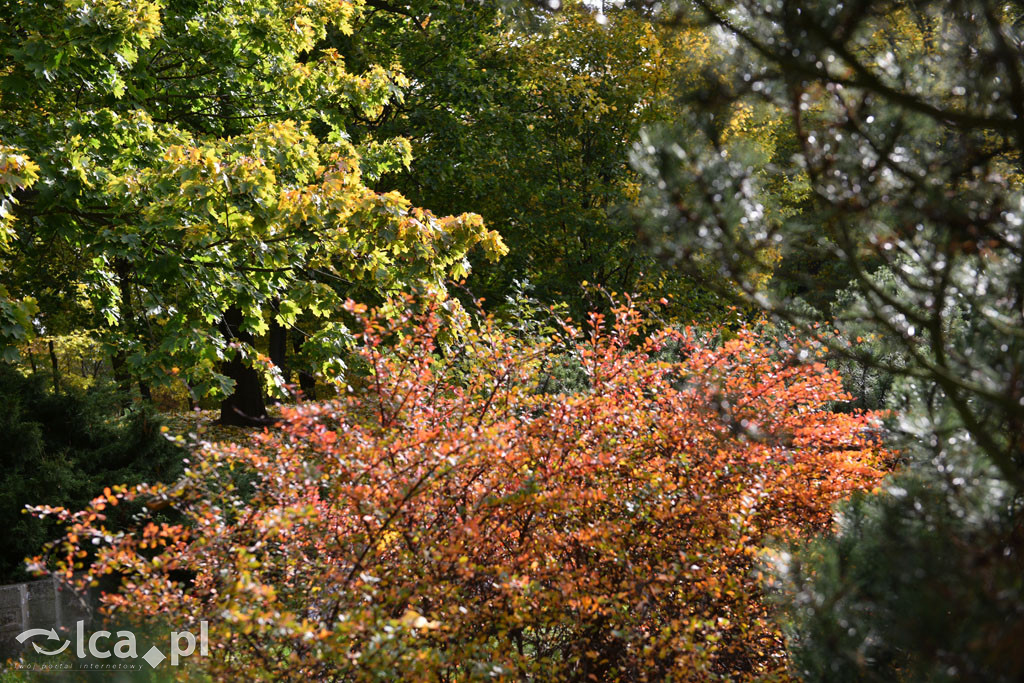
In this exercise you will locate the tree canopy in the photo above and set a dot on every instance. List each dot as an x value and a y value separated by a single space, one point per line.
167 163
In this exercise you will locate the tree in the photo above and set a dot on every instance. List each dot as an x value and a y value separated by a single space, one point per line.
17 172
190 171
531 123
909 122
449 520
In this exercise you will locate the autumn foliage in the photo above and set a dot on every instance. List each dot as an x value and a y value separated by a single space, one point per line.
453 519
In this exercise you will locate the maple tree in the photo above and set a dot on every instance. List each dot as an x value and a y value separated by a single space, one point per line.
450 519
177 178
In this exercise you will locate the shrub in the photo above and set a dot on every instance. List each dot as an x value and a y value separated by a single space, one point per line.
62 449
446 520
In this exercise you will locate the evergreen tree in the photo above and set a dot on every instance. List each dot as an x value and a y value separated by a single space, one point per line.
909 124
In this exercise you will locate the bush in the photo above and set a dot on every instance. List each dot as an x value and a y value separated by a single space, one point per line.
449 521
62 449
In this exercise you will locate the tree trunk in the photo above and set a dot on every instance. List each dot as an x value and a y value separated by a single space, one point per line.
278 341
123 379
55 366
245 406
119 359
307 383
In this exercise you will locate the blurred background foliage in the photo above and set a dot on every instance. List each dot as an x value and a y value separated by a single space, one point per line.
903 256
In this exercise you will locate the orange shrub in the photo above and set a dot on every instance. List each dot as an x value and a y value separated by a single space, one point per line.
449 520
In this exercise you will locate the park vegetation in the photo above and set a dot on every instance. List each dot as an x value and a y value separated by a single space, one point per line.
446 340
